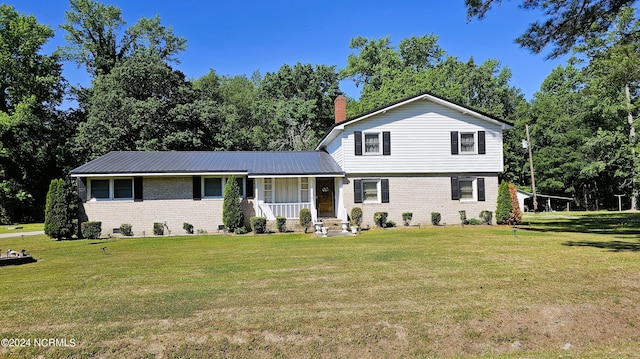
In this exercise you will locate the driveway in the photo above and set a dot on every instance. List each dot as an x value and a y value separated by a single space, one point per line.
18 234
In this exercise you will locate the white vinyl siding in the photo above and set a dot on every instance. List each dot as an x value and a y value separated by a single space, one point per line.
421 133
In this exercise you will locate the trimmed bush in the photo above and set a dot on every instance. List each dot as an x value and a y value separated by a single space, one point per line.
390 224
60 210
474 221
188 227
435 218
232 216
126 229
240 230
407 217
259 224
486 217
380 219
463 217
281 222
356 216
91 229
158 228
304 218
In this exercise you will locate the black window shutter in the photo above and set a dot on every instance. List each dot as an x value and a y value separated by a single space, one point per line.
197 189
384 186
358 143
250 188
454 142
137 189
386 143
481 143
357 191
82 188
480 189
455 188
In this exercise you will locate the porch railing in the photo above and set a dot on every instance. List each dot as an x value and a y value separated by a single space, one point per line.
287 210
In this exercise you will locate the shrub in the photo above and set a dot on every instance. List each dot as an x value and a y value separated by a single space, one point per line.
486 217
158 228
516 214
508 209
391 224
232 216
259 224
60 209
305 218
407 217
356 216
188 227
126 229
463 217
380 219
91 229
240 230
281 222
435 218
474 221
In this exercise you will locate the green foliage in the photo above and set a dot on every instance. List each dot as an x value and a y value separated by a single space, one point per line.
407 217
126 229
463 217
380 219
91 229
232 215
60 210
304 218
259 224
486 217
435 218
356 216
188 227
504 205
474 221
281 223
390 224
158 229
240 230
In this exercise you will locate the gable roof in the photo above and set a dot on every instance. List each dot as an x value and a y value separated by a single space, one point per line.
338 127
255 163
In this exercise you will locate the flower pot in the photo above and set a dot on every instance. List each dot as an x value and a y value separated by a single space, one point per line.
345 227
354 229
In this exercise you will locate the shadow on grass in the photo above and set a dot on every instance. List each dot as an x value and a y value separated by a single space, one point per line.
617 224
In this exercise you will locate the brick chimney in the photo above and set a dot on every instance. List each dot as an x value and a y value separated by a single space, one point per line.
340 108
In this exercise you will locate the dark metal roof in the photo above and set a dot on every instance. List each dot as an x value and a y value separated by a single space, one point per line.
176 162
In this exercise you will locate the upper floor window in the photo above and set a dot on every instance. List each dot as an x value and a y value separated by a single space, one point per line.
372 143
468 142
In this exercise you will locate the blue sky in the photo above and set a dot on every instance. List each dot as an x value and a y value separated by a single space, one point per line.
240 37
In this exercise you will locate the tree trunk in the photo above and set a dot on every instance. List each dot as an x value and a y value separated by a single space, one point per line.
632 143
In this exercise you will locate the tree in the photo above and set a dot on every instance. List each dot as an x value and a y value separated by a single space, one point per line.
504 205
232 215
96 38
31 86
60 210
567 23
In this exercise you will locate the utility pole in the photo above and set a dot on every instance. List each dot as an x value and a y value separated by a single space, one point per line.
533 178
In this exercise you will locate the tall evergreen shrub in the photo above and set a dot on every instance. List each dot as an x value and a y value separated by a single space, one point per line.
60 210
516 214
232 216
504 206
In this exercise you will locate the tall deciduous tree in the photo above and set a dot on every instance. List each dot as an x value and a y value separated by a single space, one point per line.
567 22
30 87
98 40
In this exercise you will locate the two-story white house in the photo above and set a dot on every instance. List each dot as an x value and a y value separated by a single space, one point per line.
422 154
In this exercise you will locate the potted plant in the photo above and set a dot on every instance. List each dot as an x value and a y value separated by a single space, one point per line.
406 218
356 219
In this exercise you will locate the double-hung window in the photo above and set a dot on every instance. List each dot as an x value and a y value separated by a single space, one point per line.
468 142
372 143
467 188
213 187
371 190
108 189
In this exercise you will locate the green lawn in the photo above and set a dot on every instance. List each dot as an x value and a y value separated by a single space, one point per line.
551 291
18 228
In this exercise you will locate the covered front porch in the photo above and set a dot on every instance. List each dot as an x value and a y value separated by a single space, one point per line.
285 196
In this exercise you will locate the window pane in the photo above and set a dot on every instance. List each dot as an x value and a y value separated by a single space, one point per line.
466 189
213 187
123 188
371 143
370 191
304 189
99 188
467 142
268 190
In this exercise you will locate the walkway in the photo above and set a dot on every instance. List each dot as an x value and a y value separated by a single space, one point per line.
18 234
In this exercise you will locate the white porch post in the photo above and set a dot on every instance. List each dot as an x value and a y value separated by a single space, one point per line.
312 199
256 195
341 212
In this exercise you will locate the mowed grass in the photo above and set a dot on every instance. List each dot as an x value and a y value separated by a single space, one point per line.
19 228
430 292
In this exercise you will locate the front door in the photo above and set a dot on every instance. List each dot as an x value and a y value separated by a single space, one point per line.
325 190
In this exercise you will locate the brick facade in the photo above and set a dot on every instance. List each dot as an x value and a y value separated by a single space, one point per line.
421 195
